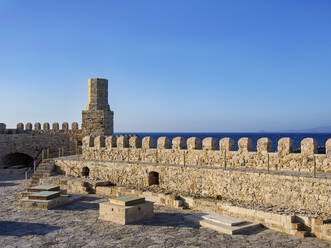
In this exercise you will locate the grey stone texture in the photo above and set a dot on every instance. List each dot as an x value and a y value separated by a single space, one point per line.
97 119
32 144
77 225
193 143
264 158
297 192
148 142
163 143
227 144
285 146
178 143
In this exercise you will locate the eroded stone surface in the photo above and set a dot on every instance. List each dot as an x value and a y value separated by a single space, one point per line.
77 225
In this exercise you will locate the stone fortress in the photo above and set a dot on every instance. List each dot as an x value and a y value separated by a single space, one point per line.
285 191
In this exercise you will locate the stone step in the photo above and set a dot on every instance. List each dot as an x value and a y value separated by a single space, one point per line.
225 220
223 223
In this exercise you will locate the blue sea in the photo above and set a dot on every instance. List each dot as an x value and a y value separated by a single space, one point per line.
297 137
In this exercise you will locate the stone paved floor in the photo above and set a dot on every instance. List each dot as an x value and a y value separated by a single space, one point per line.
76 225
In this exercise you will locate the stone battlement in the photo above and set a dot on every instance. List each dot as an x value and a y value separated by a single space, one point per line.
38 128
210 152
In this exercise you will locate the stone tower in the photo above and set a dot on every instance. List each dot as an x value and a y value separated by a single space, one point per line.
97 119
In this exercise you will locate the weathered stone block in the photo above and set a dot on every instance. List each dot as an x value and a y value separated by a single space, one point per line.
111 141
37 126
55 126
88 141
2 126
28 126
125 214
264 145
65 126
209 144
285 146
46 126
122 142
134 142
245 145
99 141
328 147
309 146
163 143
193 143
74 126
20 126
148 142
178 143
227 144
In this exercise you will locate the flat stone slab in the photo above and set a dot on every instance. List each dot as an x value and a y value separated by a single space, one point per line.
225 220
125 214
127 200
49 204
40 188
223 227
44 195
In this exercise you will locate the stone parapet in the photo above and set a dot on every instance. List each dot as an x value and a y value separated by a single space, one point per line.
190 153
299 193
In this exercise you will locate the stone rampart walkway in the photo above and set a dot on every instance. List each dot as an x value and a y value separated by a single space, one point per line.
76 225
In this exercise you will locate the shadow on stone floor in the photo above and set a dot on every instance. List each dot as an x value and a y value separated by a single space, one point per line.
9 177
177 220
14 228
86 203
166 219
7 184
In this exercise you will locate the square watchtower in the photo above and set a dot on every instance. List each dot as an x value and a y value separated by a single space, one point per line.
97 119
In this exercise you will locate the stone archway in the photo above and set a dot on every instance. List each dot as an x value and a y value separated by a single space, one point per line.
16 159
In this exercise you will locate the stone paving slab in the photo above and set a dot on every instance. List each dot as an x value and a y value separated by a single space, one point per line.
77 225
40 188
225 220
127 200
44 195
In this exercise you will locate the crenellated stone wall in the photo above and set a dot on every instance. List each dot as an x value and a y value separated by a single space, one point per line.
297 193
31 139
195 152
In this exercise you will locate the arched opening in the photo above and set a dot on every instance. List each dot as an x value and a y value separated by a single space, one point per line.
85 172
153 178
18 160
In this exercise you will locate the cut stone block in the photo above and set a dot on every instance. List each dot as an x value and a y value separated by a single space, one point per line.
222 224
125 214
127 200
44 195
40 188
225 220
48 204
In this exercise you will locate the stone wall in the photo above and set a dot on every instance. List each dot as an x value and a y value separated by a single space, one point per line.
45 128
195 153
32 144
299 193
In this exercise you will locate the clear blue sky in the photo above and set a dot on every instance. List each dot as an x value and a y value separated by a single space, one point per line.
172 65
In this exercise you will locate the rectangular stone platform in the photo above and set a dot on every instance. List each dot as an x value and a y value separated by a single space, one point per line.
127 200
224 224
44 195
49 204
40 188
125 214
